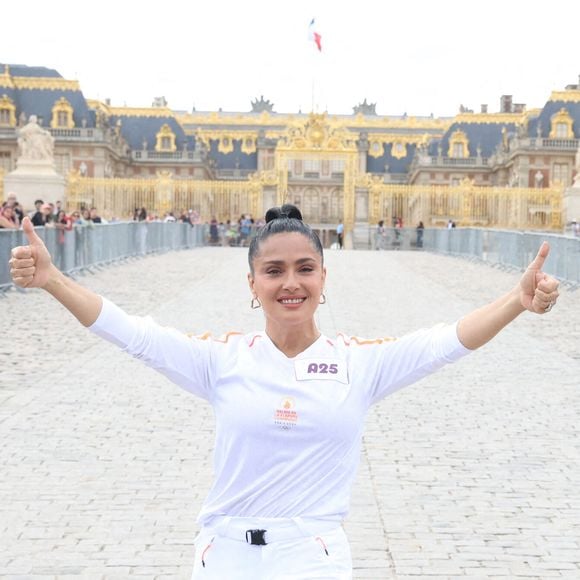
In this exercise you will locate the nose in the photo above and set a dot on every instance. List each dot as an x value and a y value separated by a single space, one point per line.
291 282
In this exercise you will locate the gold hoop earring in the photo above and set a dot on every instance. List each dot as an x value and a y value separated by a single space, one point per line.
322 299
255 303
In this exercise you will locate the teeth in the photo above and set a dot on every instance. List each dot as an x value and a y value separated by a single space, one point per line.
292 301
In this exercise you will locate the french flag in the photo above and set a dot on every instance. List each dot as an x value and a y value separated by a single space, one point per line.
315 36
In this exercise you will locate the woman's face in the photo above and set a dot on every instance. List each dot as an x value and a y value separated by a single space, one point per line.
8 212
288 278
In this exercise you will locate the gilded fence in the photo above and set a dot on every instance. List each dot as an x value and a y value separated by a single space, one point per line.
116 197
466 205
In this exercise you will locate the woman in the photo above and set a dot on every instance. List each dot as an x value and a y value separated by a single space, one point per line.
289 402
63 223
8 218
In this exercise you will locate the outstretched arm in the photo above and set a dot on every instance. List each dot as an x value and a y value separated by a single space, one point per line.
536 292
32 267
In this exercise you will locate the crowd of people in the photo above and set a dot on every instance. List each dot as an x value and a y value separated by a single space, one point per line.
46 214
221 233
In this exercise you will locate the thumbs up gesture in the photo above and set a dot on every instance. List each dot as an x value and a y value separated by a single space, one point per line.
538 291
30 265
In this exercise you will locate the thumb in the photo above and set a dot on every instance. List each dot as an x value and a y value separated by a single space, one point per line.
33 238
538 262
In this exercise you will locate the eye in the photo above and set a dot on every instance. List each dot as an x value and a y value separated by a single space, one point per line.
272 271
307 269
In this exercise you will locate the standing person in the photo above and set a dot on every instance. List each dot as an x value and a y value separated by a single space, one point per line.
12 200
62 223
213 231
245 228
8 219
340 234
94 216
420 231
288 438
380 235
38 217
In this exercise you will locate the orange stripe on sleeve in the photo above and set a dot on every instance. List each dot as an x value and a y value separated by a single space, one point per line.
208 336
365 341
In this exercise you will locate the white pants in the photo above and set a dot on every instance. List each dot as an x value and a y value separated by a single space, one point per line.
321 554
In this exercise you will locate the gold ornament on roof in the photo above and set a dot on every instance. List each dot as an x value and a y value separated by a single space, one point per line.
7 112
316 134
38 83
569 96
226 145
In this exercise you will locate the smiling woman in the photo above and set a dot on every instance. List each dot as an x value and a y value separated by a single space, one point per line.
289 402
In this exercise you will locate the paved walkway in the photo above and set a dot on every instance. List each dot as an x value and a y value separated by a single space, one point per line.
472 473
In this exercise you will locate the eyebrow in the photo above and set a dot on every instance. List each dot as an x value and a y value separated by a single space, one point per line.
282 262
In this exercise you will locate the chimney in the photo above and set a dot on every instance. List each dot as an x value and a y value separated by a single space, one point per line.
505 104
484 109
108 102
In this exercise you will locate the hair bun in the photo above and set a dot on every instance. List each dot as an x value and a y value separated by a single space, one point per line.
287 211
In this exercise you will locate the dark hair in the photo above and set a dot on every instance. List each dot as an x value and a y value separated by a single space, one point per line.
282 220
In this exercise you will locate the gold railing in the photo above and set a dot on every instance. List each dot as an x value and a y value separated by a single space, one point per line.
466 205
119 198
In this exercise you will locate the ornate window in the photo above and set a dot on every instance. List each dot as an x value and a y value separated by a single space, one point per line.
458 145
561 125
62 115
7 112
560 174
165 139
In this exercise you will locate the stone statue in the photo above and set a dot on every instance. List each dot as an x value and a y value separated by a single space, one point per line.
34 142
108 170
577 168
539 179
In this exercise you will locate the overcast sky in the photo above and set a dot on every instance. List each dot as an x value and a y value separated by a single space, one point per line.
415 57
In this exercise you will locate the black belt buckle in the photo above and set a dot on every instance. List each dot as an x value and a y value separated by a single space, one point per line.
255 537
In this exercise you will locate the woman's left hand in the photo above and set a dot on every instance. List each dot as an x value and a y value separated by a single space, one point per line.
538 291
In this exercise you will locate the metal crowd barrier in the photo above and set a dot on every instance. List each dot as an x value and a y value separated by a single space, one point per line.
93 245
509 249
504 249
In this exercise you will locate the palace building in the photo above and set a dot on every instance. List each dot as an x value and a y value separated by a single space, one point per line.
504 169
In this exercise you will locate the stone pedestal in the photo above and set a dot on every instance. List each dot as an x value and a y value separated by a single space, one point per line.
35 179
571 204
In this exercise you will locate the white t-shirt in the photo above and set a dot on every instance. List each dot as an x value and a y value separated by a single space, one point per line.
288 430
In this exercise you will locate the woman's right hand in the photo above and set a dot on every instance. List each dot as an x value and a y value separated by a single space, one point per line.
31 265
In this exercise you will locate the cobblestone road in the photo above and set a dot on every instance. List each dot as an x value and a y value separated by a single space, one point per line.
471 473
